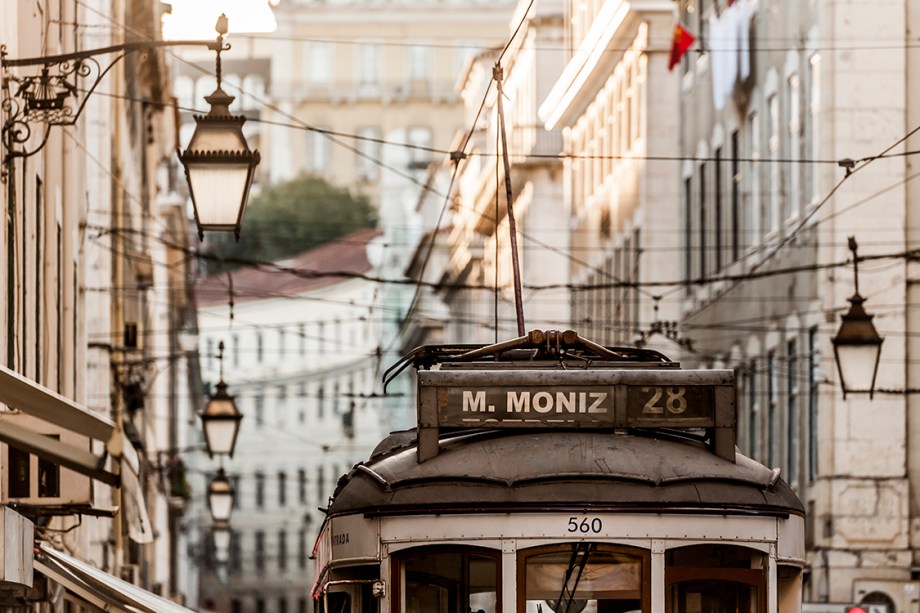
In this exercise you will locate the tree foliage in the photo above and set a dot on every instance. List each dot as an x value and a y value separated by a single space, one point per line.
288 218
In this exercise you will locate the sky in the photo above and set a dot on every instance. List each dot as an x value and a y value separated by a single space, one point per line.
195 19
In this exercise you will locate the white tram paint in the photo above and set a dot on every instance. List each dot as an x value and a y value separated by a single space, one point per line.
369 538
554 526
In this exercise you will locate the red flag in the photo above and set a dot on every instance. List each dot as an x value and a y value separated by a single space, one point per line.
679 45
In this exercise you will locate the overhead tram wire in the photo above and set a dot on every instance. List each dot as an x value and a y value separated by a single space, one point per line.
456 157
490 154
269 105
865 161
851 167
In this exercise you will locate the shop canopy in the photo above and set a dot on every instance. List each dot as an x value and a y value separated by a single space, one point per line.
99 589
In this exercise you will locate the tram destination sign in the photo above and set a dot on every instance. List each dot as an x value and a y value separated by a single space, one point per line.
611 399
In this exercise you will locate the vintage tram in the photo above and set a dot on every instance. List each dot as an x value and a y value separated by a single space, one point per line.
550 474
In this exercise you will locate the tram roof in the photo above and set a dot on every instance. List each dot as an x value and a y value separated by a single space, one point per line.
553 470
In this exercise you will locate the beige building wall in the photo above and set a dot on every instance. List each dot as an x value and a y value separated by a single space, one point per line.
79 224
376 70
766 216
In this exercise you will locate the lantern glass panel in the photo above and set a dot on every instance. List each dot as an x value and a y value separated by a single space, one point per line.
220 434
221 505
219 191
857 365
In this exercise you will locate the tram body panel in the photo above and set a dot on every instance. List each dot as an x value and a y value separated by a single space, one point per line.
551 527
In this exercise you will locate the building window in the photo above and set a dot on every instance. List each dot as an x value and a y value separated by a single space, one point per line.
282 549
260 551
753 412
703 229
688 232
302 486
418 60
253 92
792 413
281 406
773 146
320 486
319 152
236 552
370 65
260 605
320 401
281 342
793 148
302 548
755 206
260 490
302 339
258 402
736 198
814 376
320 62
367 154
772 404
811 133
419 140
235 482
259 347
282 489
717 208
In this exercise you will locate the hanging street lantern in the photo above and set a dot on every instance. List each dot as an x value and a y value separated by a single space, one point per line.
218 162
857 346
220 497
220 419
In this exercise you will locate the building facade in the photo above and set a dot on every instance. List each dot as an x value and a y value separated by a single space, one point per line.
614 105
766 215
300 357
96 294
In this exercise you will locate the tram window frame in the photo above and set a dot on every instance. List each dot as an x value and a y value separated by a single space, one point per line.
644 556
398 559
752 577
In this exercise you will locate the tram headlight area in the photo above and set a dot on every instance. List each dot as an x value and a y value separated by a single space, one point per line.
551 474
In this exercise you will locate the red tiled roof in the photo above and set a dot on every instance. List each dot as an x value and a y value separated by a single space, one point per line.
325 265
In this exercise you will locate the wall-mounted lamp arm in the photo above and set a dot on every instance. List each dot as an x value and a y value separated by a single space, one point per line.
42 98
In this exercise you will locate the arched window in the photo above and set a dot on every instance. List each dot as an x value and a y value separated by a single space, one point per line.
586 576
715 577
451 578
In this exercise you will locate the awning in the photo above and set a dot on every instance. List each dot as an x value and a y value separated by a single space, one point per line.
98 588
29 397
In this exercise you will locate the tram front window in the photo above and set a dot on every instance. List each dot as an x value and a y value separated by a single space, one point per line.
715 578
583 577
448 581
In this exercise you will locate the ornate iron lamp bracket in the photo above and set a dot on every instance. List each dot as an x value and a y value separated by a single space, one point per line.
57 94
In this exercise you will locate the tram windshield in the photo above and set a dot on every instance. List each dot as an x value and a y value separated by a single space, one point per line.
449 581
715 578
583 577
